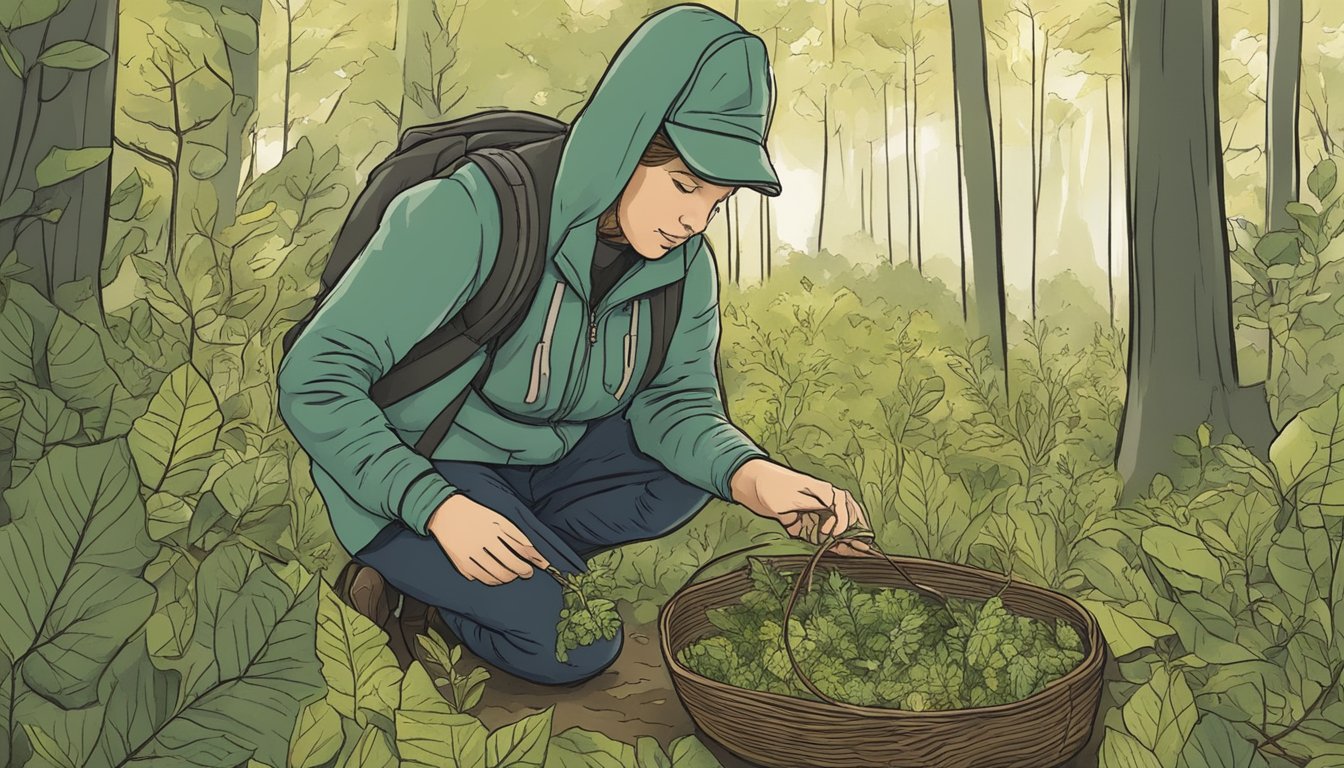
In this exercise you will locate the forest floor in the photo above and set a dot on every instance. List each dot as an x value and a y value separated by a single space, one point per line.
633 697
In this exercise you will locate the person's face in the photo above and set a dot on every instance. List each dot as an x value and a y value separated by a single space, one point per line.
664 205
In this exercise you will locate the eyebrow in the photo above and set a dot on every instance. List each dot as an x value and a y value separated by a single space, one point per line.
698 182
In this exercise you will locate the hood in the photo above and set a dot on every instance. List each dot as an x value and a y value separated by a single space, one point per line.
708 82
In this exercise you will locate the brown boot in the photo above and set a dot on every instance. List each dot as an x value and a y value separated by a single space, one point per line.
364 589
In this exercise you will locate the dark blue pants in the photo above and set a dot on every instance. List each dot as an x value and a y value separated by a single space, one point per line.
603 494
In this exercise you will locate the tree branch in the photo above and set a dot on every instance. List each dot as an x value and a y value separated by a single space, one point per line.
146 153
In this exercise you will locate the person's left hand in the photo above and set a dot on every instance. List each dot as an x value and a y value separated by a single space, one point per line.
807 508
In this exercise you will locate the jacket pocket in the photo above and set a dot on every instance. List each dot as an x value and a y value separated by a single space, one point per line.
629 349
541 354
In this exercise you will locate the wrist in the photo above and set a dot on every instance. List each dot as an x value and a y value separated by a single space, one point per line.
743 483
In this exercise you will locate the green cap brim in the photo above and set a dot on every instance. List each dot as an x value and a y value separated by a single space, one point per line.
730 161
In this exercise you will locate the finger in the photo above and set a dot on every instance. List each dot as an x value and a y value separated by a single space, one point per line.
506 557
857 510
492 572
842 516
518 542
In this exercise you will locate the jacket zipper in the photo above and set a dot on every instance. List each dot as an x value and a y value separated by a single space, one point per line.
568 404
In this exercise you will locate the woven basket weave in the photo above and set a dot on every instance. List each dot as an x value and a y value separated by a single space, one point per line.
1042 731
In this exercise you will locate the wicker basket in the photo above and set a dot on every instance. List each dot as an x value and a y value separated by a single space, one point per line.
1042 731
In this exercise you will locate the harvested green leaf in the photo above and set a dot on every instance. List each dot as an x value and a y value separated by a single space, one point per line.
882 647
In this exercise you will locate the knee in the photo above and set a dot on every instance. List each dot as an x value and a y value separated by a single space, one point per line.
583 663
669 503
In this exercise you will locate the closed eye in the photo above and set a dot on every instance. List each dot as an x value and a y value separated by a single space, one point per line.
682 187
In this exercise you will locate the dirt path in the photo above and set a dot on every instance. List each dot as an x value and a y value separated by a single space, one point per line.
633 697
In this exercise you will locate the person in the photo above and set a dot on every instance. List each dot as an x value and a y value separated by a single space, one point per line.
556 458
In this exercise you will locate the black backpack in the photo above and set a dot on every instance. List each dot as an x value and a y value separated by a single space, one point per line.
519 152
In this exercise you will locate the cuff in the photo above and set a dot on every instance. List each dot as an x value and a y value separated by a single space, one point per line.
733 461
422 497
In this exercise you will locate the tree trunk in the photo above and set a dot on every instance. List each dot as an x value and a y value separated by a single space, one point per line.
728 240
1282 99
243 71
863 202
825 163
49 112
998 79
909 198
1034 169
914 158
1110 205
886 171
976 138
1183 365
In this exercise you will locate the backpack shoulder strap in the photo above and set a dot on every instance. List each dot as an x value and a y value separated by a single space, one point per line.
664 312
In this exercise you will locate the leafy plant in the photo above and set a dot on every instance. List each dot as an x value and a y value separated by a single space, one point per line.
881 647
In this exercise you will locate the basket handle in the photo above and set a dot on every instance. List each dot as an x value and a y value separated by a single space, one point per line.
805 577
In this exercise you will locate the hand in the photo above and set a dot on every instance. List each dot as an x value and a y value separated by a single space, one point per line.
808 508
484 545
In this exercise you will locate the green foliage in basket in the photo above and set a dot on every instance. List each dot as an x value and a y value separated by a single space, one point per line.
881 647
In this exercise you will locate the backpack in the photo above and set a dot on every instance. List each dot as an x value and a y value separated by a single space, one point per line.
519 153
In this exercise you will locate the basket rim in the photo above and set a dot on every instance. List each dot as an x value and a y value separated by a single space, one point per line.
1091 662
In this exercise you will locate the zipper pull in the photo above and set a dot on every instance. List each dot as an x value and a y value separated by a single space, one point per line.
592 327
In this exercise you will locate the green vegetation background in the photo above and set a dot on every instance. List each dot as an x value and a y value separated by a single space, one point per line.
165 561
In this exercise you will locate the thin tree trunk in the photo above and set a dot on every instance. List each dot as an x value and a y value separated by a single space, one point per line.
976 139
961 181
289 76
825 167
244 72
863 221
872 194
1033 169
998 78
737 237
1283 99
909 198
914 159
1183 361
886 171
1110 204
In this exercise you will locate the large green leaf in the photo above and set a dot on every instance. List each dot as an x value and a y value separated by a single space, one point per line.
73 54
1126 633
16 344
429 733
46 421
70 567
20 13
1184 559
361 671
61 164
1161 714
317 736
1309 455
124 201
579 748
1216 744
243 704
1120 750
521 744
1321 180
689 752
371 751
174 440
79 371
253 484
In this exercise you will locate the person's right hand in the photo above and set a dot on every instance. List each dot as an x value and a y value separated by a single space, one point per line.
483 544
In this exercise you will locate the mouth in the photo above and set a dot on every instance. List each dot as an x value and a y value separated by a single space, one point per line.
671 240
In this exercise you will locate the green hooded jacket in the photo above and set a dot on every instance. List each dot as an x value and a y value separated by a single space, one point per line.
708 83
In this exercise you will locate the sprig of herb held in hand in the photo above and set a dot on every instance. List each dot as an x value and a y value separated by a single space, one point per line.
585 617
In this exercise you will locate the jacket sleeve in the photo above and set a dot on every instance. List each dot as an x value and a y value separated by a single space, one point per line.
679 419
420 267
